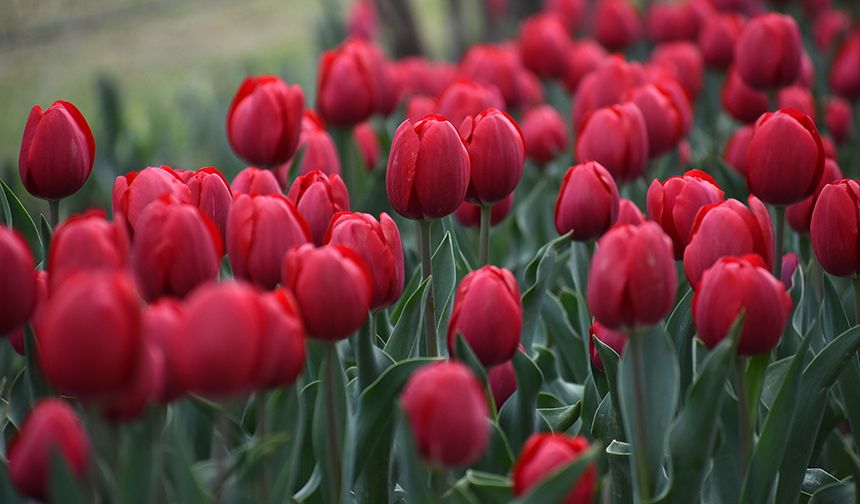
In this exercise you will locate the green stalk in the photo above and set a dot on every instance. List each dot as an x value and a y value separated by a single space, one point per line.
54 212
330 361
427 271
857 300
644 485
778 245
262 431
744 427
484 252
364 352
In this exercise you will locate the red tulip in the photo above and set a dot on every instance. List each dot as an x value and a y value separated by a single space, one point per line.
469 215
497 65
833 229
362 20
799 214
587 202
667 114
379 246
89 334
488 314
87 242
617 138
798 98
57 151
718 37
145 387
264 120
282 340
839 119
616 24
211 193
260 230
496 155
417 75
582 58
615 340
741 284
544 134
544 44
844 72
605 86
50 428
684 61
135 190
419 106
790 262
367 143
735 152
806 77
445 406
545 453
333 287
728 229
785 157
629 213
316 149
176 248
828 27
669 22
318 197
428 169
466 98
768 51
503 382
675 203
570 12
161 328
255 181
741 101
18 288
632 279
16 337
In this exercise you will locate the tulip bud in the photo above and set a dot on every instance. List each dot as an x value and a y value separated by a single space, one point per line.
419 106
797 97
629 213
50 428
428 169
469 215
544 43
16 337
844 72
785 157
18 288
211 193
728 229
735 152
735 285
57 151
718 37
283 341
741 101
419 76
615 340
488 314
316 149
545 453
605 86
617 138
799 214
496 155
684 61
582 58
89 334
499 66
667 114
260 230
264 120
768 51
331 276
467 98
668 22
828 27
318 197
790 262
362 20
617 24
833 228
145 387
447 413
367 143
255 181
134 191
544 133
87 242
503 382
161 328
839 119
587 202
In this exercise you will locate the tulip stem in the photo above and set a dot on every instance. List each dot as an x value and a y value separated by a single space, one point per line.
486 214
331 423
777 249
54 212
426 272
857 300
744 428
262 433
640 441
364 352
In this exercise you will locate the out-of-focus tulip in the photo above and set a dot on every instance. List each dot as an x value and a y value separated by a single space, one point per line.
741 284
161 327
684 61
532 90
717 39
57 151
18 288
735 152
145 387
839 119
833 229
675 203
799 214
367 143
86 242
333 287
587 202
544 44
629 213
419 76
255 181
790 262
445 406
544 133
605 86
260 230
668 22
829 147
545 453
728 229
362 20
379 246
785 158
283 342
806 77
467 98
615 340
570 12
264 120
495 65
419 106
632 280
845 72
176 248
469 214
135 190
828 26
16 337
317 151
428 169
50 428
617 138
89 334
768 51
496 155
617 24
667 114
503 382
582 58
798 98
488 314
740 100
318 197
211 193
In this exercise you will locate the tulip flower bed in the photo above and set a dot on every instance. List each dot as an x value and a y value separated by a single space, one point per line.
548 272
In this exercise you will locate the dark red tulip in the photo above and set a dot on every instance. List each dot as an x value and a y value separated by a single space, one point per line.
728 229
828 27
735 152
582 58
57 151
806 77
741 284
829 147
135 190
587 202
419 106
51 428
264 120
615 340
162 327
496 155
833 229
785 157
544 133
544 44
617 138
532 90
669 22
145 387
570 12
545 453
741 101
176 248
790 262
333 287
283 341
503 382
629 213
18 288
16 337
845 72
605 86
318 197
447 412
717 39
798 98
616 24
768 51
417 75
255 181
362 20
684 61
666 111
260 230
839 119
675 203
428 169
497 65
488 314
467 98
799 214
469 214
367 143
316 149
378 244
89 334
211 193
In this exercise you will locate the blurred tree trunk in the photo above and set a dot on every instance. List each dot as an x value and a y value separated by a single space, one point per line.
399 23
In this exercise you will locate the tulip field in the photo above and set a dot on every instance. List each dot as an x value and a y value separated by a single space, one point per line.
599 251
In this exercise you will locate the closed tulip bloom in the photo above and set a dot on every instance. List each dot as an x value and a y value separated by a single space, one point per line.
428 169
447 413
50 428
497 65
255 181
833 229
419 106
362 20
544 43
605 86
220 348
488 314
675 203
839 119
469 214
18 288
416 75
615 340
845 72
161 328
768 51
617 25
728 229
799 214
496 155
503 382
90 336
587 202
684 61
735 152
741 101
16 336
467 98
330 277
87 242
316 149
717 39
367 143
569 11
545 453
785 157
828 27
318 197
798 98
176 248
667 114
264 120
57 151
211 193
260 230
741 284
629 213
672 21
790 262
283 341
582 57
617 138
144 389
135 190
544 133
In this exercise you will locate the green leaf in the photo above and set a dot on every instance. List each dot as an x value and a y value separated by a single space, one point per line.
4 207
22 221
605 427
404 338
537 275
444 281
489 488
816 478
464 354
681 328
46 233
8 494
564 338
38 387
369 358
556 486
518 415
610 359
497 457
64 485
618 455
290 409
413 476
561 419
331 430
834 320
138 472
836 493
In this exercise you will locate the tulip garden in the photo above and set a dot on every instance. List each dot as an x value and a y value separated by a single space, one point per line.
608 253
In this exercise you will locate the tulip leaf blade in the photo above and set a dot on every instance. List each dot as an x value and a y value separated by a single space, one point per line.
22 221
564 338
4 207
682 329
331 433
618 456
64 486
498 456
489 487
519 414
444 281
537 276
404 338
610 359
558 484
835 493
8 494
562 418
46 232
